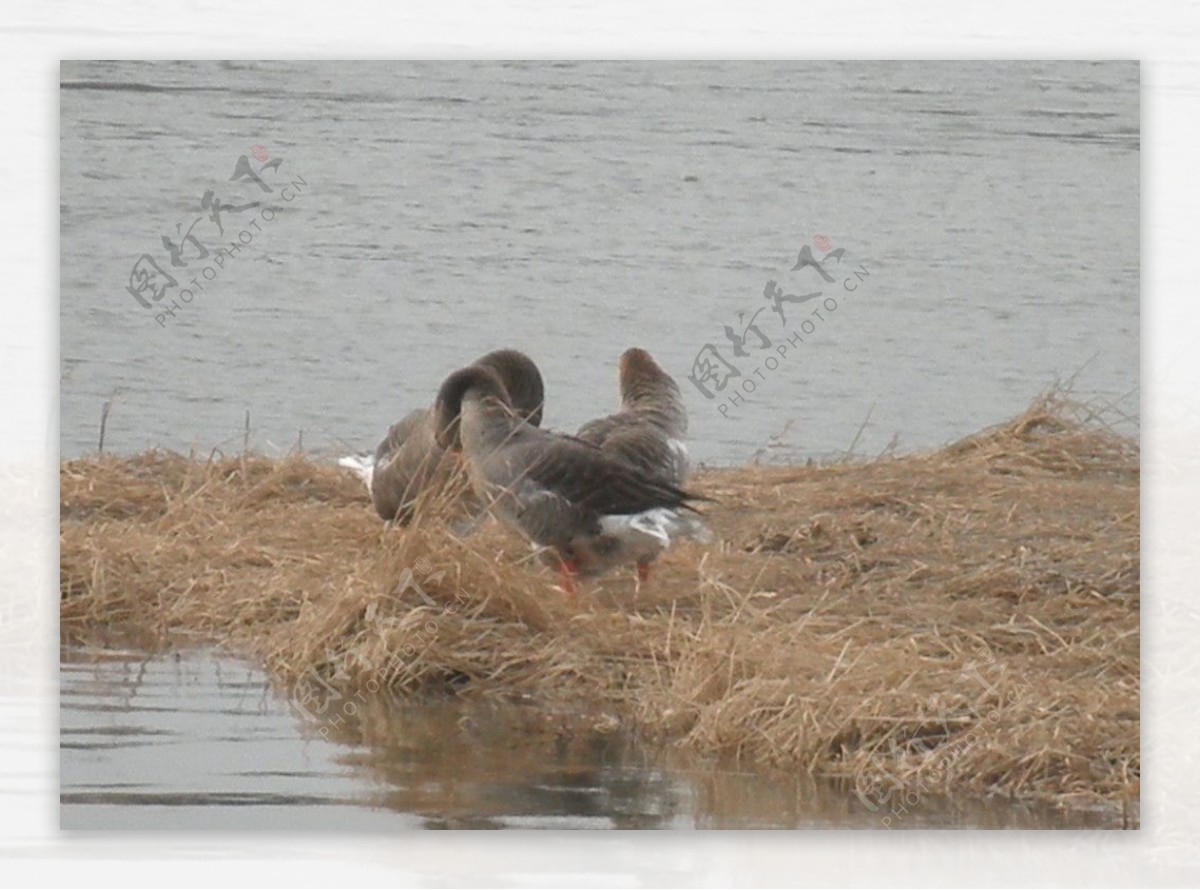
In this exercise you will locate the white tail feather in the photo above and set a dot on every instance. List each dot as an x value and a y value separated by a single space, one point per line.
643 536
668 525
363 466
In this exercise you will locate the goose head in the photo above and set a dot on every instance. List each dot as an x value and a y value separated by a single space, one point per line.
651 392
642 377
476 390
522 380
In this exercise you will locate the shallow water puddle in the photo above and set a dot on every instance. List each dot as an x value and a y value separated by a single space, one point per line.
197 741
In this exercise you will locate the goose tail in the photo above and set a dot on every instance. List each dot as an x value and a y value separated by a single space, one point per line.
669 525
363 466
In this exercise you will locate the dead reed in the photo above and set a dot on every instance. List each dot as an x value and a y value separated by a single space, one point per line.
960 619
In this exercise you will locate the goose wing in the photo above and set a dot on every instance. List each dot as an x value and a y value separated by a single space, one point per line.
580 473
599 430
639 443
407 461
401 432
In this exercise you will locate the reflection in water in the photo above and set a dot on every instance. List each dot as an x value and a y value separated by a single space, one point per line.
193 741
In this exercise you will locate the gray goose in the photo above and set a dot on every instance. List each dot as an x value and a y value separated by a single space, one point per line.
648 430
591 509
410 461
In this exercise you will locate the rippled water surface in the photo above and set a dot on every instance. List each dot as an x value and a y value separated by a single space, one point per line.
193 741
574 209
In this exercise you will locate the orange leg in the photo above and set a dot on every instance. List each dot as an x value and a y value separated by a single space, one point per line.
567 576
643 570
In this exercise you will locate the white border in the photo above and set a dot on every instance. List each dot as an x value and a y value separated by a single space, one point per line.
33 38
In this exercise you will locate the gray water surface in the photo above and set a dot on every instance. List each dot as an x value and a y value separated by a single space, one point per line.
574 209
195 741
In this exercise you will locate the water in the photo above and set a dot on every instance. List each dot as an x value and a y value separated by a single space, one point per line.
574 209
193 741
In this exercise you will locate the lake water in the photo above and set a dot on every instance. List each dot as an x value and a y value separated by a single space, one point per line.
573 209
193 741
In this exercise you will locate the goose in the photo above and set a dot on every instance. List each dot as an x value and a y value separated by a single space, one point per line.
648 431
590 509
410 461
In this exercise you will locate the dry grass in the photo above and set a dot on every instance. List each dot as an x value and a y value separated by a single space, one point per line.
962 619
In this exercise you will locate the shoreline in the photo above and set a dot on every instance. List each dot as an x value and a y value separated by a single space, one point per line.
963 620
